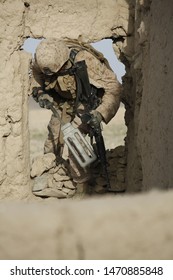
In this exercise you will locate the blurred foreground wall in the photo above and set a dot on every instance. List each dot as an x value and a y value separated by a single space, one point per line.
109 228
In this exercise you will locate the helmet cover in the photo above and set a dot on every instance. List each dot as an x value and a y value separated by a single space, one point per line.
51 54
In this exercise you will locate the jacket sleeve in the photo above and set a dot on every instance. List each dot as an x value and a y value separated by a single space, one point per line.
102 77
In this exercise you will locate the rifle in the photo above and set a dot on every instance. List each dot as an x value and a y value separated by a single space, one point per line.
87 94
96 132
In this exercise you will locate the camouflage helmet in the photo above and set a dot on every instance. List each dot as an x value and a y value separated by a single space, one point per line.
50 55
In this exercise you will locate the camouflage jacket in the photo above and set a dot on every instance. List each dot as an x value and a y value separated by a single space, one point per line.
100 75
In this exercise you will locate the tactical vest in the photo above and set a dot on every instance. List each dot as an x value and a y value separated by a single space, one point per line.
86 94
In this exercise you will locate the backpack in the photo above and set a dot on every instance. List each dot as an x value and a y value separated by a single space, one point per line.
78 45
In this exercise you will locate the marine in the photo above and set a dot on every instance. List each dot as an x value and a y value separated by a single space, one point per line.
54 81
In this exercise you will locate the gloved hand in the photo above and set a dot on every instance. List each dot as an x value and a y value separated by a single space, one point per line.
95 114
36 92
94 117
45 100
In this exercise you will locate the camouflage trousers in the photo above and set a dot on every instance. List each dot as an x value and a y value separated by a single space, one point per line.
54 144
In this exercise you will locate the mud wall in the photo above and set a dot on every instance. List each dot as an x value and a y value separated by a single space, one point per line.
146 50
88 20
110 228
155 116
14 135
148 97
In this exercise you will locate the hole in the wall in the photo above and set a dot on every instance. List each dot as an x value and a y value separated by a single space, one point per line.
114 133
30 45
105 47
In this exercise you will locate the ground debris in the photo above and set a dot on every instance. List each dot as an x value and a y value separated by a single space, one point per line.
57 182
42 164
